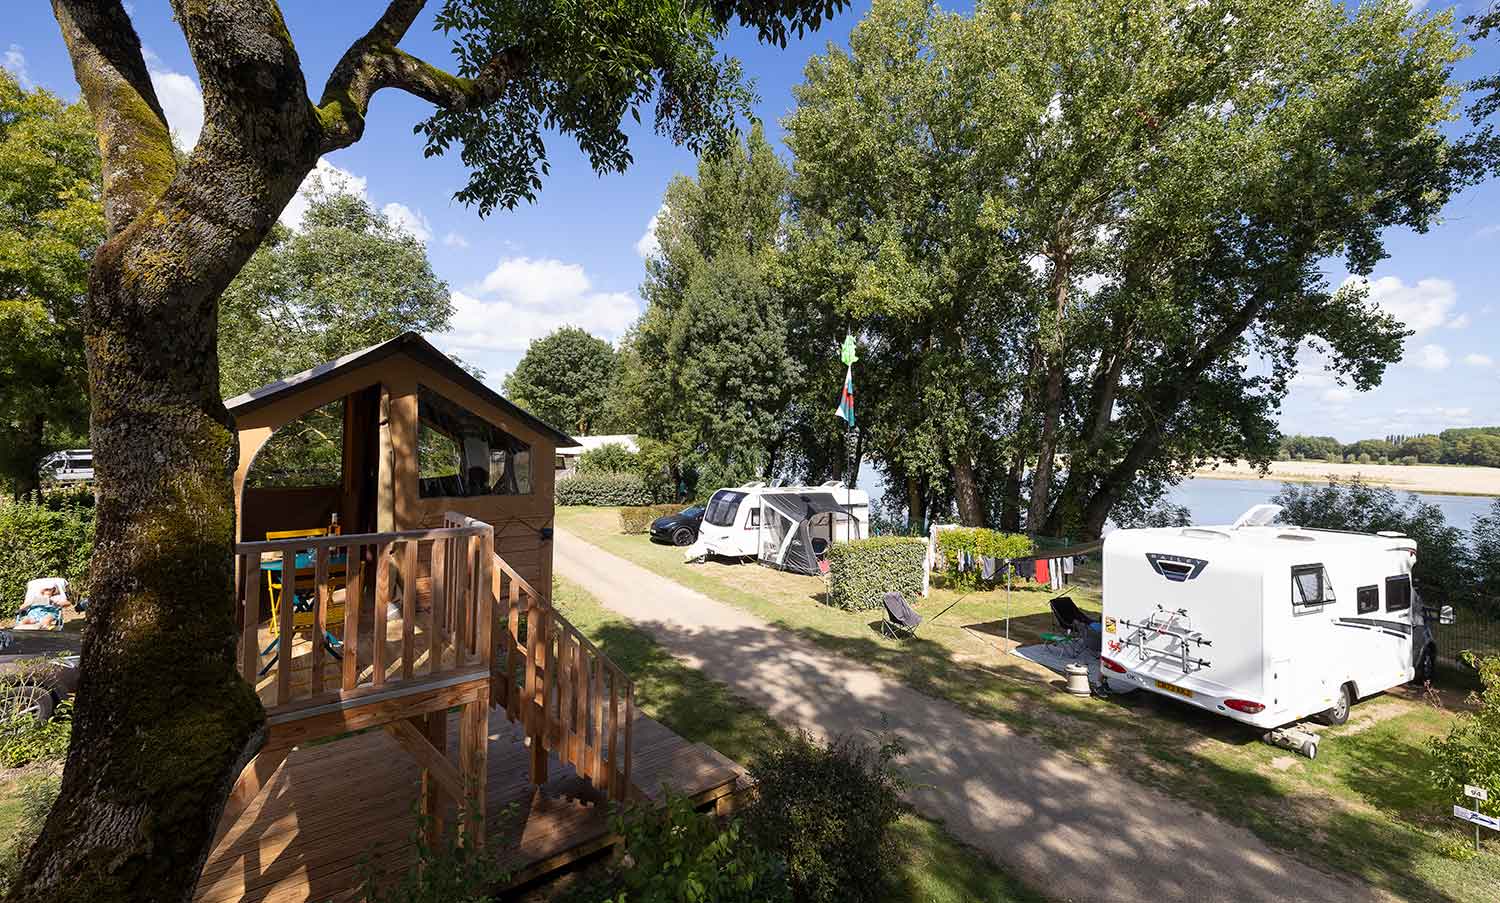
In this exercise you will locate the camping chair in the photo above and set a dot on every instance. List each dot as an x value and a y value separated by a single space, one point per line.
901 620
304 614
1078 629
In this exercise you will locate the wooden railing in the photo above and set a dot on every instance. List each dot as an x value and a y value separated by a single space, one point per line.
431 588
570 698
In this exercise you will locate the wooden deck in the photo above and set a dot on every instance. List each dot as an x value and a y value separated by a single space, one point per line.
332 806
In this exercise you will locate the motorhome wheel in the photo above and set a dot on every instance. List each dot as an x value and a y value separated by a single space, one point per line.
1339 713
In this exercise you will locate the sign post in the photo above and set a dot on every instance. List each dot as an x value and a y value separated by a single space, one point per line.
1480 820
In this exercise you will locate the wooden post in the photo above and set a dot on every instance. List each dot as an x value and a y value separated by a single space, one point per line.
320 616
473 763
354 598
408 608
250 613
434 726
437 620
513 700
284 627
382 600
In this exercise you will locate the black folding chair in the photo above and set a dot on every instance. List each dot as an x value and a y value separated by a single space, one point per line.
901 620
1077 626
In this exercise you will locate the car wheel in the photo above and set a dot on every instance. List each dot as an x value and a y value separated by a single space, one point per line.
1339 713
682 536
29 700
1426 667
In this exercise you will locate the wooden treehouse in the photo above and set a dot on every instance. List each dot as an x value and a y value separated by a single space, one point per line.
393 591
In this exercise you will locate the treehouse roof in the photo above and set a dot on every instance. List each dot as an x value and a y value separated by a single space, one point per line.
410 344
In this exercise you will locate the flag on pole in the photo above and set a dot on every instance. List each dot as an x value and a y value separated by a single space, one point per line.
846 398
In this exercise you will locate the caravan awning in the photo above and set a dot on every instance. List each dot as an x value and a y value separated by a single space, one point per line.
803 505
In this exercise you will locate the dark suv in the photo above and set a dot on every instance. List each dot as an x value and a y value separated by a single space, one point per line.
680 529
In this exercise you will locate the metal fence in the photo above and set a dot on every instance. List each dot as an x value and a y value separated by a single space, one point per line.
1473 630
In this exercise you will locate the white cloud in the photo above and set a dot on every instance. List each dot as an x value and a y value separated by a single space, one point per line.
647 246
1337 395
523 299
412 222
14 62
327 177
1422 306
180 100
1459 322
1432 357
1479 360
454 240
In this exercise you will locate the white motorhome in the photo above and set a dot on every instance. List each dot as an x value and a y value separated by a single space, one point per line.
1263 623
71 466
732 520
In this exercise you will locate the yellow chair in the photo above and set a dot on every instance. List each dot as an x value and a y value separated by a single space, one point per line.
303 588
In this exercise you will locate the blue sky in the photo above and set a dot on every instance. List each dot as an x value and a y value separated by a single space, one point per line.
575 257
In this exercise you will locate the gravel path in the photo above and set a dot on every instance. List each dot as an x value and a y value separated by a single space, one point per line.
1073 831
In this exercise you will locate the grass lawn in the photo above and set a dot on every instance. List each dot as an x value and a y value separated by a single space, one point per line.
1362 807
939 869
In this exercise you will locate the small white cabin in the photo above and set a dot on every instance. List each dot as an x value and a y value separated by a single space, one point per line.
1263 623
738 520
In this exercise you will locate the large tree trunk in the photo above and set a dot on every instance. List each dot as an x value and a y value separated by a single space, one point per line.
1041 479
1010 507
916 509
163 723
966 490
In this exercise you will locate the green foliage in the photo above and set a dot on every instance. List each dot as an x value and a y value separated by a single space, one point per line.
1318 448
38 540
977 541
349 279
862 570
37 796
610 489
638 519
456 872
678 855
610 458
826 810
565 378
23 740
1470 754
51 220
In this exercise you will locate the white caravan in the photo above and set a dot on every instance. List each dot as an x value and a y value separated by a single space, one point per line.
732 520
1263 623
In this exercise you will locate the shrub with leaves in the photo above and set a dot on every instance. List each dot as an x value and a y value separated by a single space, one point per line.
603 489
678 855
1470 754
826 810
977 541
638 519
862 570
24 740
51 535
456 872
612 457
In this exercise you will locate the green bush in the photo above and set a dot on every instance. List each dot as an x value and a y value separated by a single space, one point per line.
977 541
1470 754
862 570
603 489
638 519
678 855
47 536
826 811
456 872
23 740
610 458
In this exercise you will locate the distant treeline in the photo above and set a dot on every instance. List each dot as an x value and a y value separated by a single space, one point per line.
1476 445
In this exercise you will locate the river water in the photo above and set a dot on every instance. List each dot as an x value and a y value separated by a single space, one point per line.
1213 501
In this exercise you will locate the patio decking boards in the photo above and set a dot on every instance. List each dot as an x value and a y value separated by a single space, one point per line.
307 834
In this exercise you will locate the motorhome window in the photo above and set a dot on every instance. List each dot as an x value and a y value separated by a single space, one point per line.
754 518
1367 599
1397 593
722 508
462 455
1310 585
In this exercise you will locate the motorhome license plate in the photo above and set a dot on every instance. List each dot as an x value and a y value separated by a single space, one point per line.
1173 688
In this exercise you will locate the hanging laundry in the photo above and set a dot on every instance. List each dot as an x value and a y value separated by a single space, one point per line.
1041 571
987 566
1026 569
1055 570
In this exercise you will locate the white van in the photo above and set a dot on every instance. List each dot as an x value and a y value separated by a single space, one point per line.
731 525
71 466
1263 623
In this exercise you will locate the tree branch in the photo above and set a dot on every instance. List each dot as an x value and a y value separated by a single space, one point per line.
374 62
135 145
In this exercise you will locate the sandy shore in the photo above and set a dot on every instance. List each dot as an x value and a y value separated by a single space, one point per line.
1436 478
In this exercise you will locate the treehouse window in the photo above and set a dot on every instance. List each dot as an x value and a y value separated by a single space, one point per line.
462 455
307 452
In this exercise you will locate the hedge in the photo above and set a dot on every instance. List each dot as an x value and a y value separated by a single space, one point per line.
978 542
862 570
52 536
612 489
637 519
